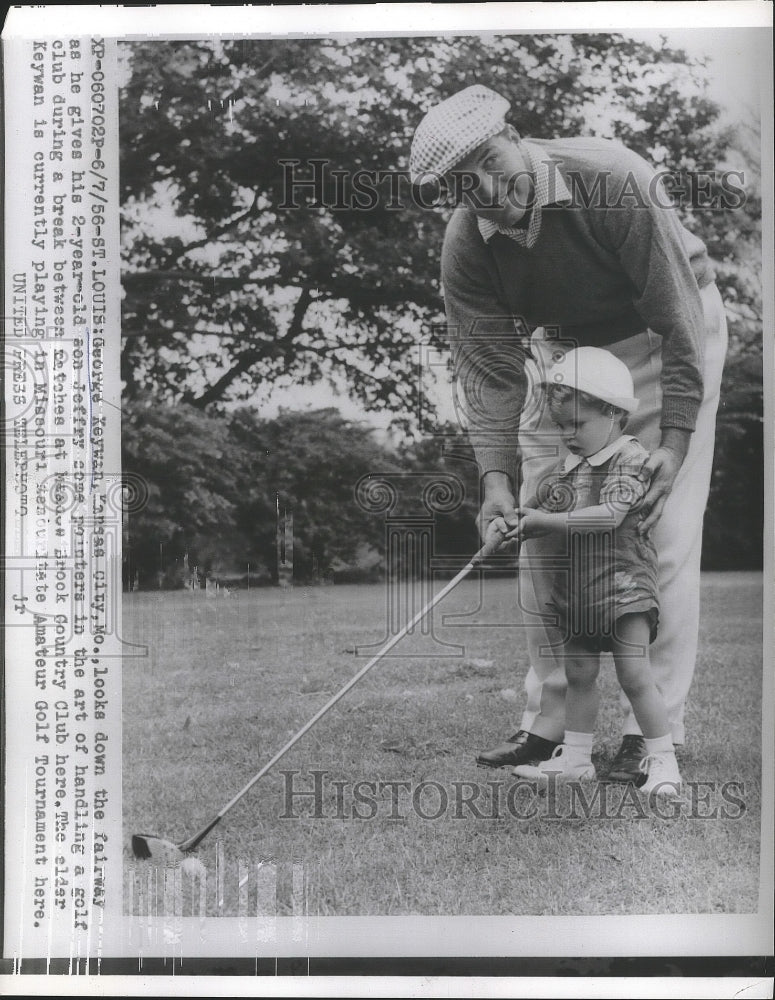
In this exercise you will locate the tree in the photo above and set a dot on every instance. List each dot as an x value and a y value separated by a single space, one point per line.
449 453
187 466
230 289
258 293
212 485
735 516
732 537
309 463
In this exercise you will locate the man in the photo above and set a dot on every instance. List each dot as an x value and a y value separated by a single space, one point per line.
576 242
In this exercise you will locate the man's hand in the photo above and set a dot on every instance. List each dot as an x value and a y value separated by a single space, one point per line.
661 468
498 508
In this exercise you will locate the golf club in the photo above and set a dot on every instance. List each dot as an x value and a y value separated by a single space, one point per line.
146 845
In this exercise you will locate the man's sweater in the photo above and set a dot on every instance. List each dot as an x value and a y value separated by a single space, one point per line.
612 261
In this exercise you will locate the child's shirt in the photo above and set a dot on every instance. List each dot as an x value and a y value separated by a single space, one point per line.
610 476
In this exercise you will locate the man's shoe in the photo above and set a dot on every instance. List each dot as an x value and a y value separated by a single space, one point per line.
521 748
660 775
626 764
561 765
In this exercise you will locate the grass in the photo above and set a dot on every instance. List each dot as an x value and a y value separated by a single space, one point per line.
228 680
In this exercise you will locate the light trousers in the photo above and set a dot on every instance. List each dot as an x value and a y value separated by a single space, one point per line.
677 535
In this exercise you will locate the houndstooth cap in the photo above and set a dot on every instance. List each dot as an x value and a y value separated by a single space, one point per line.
453 129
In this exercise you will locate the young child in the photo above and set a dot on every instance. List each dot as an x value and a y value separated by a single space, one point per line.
605 597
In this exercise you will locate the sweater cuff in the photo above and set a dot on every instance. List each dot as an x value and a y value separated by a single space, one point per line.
678 411
497 459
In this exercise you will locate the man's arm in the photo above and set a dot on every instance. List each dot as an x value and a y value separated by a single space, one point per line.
654 250
488 363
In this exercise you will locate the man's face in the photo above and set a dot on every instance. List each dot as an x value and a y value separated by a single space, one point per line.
495 180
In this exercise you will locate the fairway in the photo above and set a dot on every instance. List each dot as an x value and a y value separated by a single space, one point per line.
382 809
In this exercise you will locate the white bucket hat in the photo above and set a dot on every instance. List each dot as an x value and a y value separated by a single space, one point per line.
453 129
598 372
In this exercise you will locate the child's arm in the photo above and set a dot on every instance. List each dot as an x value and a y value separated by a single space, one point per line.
602 517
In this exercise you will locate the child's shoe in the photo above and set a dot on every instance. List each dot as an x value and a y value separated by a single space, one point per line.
660 775
564 765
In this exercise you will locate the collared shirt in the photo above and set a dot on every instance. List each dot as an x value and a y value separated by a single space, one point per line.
599 458
550 189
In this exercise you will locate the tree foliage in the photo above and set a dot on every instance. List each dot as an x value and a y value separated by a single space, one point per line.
310 464
214 484
187 466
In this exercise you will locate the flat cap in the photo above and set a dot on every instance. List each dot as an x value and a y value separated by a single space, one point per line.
453 129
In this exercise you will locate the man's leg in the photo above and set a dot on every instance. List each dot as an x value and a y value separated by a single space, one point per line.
540 559
545 682
678 534
543 723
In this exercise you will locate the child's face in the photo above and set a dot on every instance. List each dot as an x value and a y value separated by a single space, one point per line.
583 428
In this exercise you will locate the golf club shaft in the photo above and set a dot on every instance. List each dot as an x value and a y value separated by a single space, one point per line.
486 550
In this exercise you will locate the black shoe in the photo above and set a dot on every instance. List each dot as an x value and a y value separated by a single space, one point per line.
626 764
521 748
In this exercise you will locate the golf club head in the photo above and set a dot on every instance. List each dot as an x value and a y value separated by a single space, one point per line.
146 847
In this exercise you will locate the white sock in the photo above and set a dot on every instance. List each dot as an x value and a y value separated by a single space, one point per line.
662 744
578 746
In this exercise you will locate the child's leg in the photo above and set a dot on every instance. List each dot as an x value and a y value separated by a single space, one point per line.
631 656
572 760
582 699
